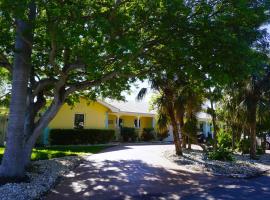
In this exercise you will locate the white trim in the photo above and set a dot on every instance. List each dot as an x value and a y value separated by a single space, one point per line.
133 114
112 108
115 110
106 120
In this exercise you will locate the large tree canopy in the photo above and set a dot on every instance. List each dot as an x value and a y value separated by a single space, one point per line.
60 50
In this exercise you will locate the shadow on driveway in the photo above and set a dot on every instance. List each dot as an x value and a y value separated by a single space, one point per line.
136 178
124 180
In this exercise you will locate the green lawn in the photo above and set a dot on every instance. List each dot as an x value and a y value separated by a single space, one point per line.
60 151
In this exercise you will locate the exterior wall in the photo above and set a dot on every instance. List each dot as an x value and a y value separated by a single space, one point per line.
112 118
128 121
146 122
95 115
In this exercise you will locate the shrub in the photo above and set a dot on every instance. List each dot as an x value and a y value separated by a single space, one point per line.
162 135
209 141
80 136
222 154
129 134
224 139
243 146
148 134
260 151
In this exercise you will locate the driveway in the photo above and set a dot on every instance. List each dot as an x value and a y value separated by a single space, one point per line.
141 172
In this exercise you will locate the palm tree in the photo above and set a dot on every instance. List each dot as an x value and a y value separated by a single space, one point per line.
194 101
178 98
166 86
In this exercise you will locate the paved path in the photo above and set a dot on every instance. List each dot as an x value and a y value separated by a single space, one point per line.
141 172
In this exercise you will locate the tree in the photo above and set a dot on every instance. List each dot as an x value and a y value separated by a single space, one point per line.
63 50
213 96
166 105
245 108
193 104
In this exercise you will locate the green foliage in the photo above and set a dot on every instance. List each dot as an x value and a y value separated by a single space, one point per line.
162 135
221 153
80 136
244 146
148 134
190 126
260 151
224 139
96 48
129 134
60 151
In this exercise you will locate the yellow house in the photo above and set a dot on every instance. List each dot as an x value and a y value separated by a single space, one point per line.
104 115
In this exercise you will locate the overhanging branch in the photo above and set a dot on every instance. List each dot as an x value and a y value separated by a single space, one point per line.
5 63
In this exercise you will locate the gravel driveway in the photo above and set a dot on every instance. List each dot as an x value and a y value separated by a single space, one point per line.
142 172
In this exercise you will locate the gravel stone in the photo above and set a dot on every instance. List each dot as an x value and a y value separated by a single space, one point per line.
43 175
241 167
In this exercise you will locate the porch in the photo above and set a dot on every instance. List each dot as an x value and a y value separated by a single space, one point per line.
130 120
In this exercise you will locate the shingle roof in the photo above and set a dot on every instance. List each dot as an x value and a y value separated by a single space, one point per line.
203 116
141 107
132 106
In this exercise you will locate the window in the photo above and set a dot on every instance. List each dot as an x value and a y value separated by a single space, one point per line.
79 121
135 123
110 122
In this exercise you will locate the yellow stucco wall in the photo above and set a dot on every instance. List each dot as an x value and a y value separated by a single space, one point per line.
95 115
146 122
112 119
128 121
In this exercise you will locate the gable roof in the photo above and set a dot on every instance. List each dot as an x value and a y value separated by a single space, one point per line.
139 107
129 106
204 116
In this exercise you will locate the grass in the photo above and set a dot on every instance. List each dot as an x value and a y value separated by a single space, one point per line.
44 153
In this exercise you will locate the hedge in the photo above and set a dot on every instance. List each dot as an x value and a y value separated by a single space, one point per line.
129 134
80 136
148 134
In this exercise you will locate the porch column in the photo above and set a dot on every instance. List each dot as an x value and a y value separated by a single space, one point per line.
138 122
117 121
153 122
106 120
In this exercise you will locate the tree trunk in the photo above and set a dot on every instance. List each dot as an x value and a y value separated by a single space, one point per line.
14 155
12 164
214 124
189 143
181 122
252 129
177 142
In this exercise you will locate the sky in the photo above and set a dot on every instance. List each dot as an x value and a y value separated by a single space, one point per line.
135 88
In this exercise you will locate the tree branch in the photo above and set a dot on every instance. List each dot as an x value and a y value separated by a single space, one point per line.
42 84
5 63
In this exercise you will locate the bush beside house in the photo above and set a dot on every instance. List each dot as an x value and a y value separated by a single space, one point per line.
129 134
148 134
80 136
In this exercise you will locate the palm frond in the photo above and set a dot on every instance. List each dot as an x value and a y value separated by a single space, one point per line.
141 94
